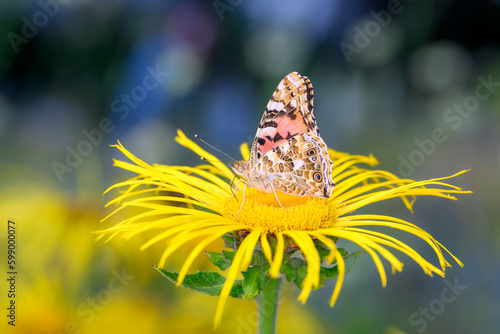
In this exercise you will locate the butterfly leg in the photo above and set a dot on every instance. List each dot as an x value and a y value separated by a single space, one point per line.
276 195
242 202
235 190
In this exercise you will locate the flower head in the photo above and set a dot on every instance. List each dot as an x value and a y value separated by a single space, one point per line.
197 203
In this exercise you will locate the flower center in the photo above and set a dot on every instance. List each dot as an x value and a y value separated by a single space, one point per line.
260 209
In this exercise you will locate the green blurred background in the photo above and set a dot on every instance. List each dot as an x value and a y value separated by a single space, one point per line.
415 83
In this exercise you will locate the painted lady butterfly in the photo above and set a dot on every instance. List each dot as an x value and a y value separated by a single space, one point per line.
287 153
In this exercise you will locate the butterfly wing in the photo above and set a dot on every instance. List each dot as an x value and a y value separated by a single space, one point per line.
287 147
288 113
300 166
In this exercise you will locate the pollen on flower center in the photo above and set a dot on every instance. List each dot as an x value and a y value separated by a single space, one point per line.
260 209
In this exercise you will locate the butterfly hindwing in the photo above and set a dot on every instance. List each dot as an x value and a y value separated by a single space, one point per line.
300 166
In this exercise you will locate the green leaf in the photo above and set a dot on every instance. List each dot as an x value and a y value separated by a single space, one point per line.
334 239
259 258
288 254
297 273
322 251
265 269
300 276
229 255
209 282
229 240
329 272
252 282
342 251
219 260
349 262
296 262
350 259
272 241
322 280
288 271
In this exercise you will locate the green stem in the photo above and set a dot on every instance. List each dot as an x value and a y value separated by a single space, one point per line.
268 306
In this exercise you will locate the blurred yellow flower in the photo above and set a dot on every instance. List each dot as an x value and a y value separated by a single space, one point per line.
67 283
60 287
196 203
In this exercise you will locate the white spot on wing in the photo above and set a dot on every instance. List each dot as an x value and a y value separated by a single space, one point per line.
293 103
298 164
274 105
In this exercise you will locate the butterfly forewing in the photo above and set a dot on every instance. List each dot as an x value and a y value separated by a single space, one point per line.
288 113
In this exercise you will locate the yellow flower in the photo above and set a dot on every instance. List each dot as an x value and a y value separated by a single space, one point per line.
197 203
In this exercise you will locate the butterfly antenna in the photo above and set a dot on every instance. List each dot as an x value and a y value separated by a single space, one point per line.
204 142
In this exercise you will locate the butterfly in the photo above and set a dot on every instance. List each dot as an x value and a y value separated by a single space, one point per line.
288 153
